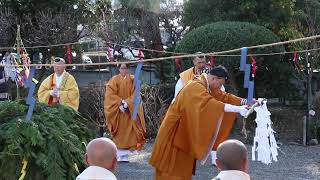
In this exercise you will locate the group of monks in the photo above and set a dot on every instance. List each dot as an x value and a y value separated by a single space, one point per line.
199 118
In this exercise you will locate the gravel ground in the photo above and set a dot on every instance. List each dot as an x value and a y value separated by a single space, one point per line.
295 162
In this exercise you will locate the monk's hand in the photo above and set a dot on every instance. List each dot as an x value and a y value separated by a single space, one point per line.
122 109
243 110
254 101
125 104
54 92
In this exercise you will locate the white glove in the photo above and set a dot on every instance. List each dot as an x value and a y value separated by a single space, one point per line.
238 109
53 93
125 104
122 108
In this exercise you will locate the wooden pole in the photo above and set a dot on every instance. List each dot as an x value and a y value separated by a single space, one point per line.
309 75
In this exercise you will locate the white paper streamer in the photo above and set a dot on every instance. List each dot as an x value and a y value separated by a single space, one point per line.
264 142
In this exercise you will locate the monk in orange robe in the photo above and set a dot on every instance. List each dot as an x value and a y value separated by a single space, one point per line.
199 63
129 135
192 126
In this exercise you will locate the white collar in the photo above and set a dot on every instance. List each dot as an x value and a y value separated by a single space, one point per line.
96 173
58 79
233 175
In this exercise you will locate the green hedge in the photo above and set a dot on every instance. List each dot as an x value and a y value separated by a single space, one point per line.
272 79
52 143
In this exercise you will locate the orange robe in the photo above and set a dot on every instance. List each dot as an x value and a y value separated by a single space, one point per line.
187 75
187 132
229 118
126 133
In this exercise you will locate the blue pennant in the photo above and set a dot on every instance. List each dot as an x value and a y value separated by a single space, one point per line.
243 58
250 92
30 100
247 75
137 74
137 87
136 100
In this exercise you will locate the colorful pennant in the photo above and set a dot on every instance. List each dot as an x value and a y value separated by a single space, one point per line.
137 86
243 61
30 100
247 83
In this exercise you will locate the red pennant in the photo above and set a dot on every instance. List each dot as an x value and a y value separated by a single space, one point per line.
212 61
254 66
178 63
69 54
21 51
140 55
295 56
110 54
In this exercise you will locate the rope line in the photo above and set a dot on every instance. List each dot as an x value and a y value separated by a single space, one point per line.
46 46
186 55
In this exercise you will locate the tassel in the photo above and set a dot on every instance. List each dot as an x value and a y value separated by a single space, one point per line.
295 56
140 55
178 63
254 66
69 54
110 54
212 61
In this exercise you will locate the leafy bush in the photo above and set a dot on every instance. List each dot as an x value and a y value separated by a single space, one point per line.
156 100
52 143
272 78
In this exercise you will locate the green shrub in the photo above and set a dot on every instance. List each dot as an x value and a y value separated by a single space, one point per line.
272 78
52 143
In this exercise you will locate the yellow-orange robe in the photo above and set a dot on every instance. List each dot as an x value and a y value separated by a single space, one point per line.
68 91
187 132
187 75
126 133
229 118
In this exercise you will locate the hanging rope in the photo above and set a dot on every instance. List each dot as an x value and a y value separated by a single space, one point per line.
48 46
224 53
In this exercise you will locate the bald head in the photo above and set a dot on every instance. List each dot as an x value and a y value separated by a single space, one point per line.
232 155
102 152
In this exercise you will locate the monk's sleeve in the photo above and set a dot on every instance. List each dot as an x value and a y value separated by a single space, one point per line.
226 97
228 118
111 106
44 91
70 94
200 119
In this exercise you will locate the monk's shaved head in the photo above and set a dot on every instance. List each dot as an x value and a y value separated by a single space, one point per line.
232 155
102 152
